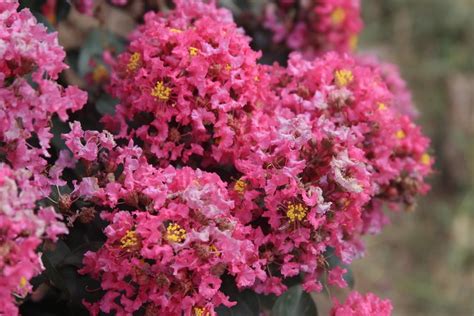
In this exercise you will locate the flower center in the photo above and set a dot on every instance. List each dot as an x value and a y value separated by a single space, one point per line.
134 62
193 51
161 92
382 106
200 311
100 73
129 240
343 77
425 159
23 282
240 186
400 134
338 16
296 211
175 233
353 42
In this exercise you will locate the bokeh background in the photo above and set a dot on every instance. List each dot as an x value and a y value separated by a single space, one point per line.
424 260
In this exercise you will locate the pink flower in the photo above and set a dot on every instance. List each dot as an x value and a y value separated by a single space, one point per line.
180 238
359 305
26 49
313 27
30 61
198 79
336 277
22 228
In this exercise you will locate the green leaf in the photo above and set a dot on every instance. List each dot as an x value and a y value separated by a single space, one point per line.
349 277
247 305
106 104
54 275
334 261
247 301
96 42
295 302
266 302
57 255
62 10
76 256
43 20
58 128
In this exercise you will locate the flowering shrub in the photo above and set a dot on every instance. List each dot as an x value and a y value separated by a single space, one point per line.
216 180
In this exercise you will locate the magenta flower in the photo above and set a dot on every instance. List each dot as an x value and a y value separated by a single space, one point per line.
359 305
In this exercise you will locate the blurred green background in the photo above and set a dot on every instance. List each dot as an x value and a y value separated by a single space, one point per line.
424 260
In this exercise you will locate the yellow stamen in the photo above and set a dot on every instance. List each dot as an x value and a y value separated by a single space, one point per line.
174 30
134 62
129 240
382 106
338 16
296 211
400 134
193 51
161 92
175 233
240 186
200 311
100 73
23 282
425 159
343 77
353 42
214 250
228 67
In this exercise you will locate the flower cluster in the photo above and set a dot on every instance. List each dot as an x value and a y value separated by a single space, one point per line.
315 26
315 172
359 305
213 167
22 228
402 99
30 61
185 83
304 157
171 234
357 99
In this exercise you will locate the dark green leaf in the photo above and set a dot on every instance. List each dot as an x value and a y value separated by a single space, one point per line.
43 20
97 41
54 275
349 277
76 256
33 5
295 302
106 104
266 302
61 250
247 301
62 10
59 128
247 305
334 261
